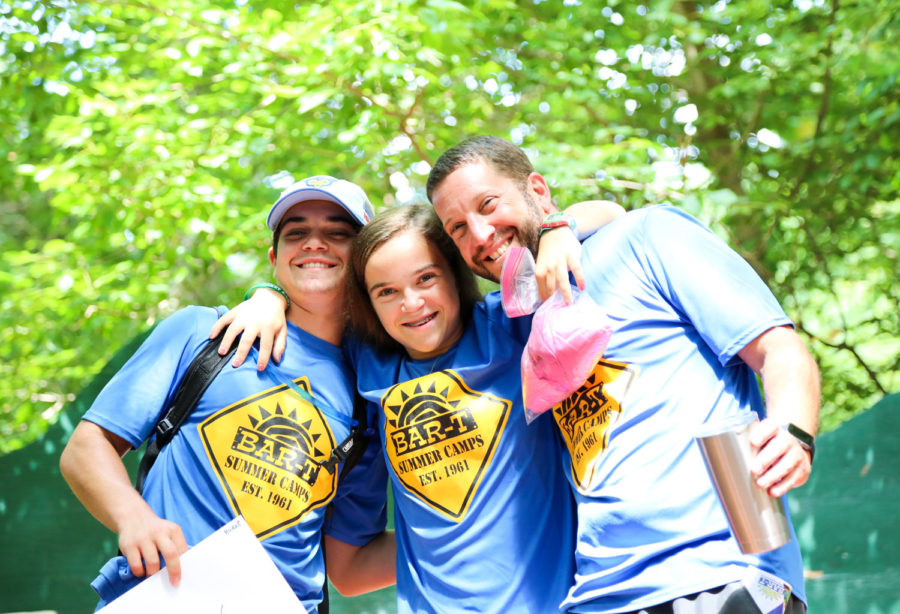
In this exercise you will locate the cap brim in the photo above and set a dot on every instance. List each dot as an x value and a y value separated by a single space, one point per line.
286 202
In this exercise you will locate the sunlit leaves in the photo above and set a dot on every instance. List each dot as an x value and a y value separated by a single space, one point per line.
144 142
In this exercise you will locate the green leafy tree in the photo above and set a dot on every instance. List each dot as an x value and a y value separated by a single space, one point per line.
143 143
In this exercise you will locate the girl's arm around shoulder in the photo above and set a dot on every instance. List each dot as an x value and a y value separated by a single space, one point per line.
560 248
262 315
592 215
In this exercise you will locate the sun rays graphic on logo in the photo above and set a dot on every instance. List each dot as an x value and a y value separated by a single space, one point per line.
421 406
286 428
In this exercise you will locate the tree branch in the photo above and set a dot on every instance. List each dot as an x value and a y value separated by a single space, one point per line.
405 129
843 345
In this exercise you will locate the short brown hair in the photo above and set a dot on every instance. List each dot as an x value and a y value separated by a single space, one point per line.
505 157
361 317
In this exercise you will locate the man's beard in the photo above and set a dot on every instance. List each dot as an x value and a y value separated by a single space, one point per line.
531 227
527 235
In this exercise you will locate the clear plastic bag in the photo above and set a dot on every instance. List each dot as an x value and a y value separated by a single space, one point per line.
518 286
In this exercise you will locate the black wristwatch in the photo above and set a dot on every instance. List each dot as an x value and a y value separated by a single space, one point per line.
806 440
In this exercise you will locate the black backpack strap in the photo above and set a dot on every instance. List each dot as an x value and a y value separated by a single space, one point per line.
361 435
201 372
351 449
348 452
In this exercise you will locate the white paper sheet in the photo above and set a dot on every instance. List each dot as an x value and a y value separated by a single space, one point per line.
229 572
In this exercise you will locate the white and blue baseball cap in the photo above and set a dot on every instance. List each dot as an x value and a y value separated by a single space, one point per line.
322 187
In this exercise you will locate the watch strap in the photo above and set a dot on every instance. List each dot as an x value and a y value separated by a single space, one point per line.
806 440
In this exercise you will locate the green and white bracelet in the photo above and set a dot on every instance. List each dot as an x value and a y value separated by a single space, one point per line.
270 286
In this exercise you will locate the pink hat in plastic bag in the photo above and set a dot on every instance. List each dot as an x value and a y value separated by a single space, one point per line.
565 343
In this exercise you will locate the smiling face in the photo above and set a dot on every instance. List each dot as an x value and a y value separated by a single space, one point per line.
313 250
486 213
414 294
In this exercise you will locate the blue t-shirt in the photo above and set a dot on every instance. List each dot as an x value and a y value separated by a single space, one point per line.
650 525
251 446
483 516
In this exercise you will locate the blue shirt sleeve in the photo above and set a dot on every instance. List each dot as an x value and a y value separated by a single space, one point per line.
707 282
134 398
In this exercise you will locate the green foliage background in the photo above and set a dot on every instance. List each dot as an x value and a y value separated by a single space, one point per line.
141 144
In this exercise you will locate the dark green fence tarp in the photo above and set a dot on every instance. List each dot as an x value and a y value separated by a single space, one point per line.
846 519
847 516
51 546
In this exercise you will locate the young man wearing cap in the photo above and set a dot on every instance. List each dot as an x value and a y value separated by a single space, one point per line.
693 325
255 443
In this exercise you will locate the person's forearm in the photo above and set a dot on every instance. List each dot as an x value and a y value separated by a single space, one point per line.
783 460
790 381
269 292
559 251
93 468
591 215
376 563
262 315
360 569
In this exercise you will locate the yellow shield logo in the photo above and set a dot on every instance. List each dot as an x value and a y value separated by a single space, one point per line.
266 450
585 418
440 437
